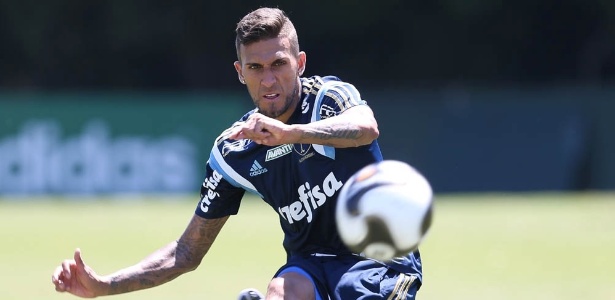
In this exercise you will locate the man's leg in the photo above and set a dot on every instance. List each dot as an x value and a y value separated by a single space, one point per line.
292 283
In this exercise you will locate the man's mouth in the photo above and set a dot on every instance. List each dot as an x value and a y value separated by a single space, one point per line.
271 96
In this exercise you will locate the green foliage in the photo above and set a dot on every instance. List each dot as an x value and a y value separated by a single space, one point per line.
189 44
526 246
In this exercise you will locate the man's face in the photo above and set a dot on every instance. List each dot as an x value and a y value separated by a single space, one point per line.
271 73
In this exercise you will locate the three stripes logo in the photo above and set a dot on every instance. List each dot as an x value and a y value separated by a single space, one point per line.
257 169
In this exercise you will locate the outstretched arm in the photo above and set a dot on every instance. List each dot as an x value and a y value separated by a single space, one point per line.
354 127
164 265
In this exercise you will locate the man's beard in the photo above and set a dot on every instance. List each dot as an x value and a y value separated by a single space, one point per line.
272 112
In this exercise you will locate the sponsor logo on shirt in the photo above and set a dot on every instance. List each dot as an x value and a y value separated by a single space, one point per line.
278 152
310 198
257 169
209 190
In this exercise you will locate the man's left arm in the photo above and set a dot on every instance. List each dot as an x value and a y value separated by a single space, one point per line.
356 126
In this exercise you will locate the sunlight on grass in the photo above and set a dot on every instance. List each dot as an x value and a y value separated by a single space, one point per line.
483 246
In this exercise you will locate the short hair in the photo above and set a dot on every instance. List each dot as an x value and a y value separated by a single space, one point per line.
265 23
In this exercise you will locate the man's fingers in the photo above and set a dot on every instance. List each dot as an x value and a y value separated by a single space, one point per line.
249 133
66 269
57 273
60 277
237 135
60 287
254 129
77 257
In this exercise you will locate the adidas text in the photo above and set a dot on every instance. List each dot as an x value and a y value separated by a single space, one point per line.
257 169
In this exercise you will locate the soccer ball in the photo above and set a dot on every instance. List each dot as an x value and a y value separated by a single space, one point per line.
384 210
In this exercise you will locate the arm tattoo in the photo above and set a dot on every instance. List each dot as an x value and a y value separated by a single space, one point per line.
337 131
336 135
170 261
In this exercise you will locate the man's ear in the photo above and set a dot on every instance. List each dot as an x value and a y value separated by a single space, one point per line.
237 65
301 63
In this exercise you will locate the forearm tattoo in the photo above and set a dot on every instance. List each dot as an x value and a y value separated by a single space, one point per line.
171 261
337 131
150 273
119 285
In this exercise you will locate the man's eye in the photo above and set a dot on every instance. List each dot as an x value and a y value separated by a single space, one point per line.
253 67
279 63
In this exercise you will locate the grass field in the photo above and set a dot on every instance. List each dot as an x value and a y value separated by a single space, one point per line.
525 246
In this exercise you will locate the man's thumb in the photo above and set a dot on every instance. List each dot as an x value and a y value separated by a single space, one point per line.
78 258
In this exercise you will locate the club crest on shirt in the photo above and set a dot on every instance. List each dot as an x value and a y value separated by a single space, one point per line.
327 111
302 149
235 146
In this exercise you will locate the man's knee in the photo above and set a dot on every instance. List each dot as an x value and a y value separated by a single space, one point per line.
290 285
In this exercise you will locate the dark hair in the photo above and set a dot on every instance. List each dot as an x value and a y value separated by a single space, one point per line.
265 23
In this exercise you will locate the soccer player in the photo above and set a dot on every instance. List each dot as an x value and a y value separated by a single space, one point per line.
304 139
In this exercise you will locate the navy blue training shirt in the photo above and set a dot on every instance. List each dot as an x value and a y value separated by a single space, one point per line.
300 182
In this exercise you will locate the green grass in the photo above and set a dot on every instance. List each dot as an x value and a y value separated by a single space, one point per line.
525 246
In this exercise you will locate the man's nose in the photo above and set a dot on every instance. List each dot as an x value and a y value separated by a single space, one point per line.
268 79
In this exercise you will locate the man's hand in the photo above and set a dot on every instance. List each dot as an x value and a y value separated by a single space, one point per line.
354 127
75 277
264 130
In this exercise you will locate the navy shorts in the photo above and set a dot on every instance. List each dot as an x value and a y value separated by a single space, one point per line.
353 277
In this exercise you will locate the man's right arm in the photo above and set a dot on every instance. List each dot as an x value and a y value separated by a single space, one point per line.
164 265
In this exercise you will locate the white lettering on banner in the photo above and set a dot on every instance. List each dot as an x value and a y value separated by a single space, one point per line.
210 185
310 199
37 160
